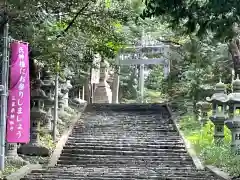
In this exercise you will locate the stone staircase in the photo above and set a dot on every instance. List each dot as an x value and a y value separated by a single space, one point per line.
124 142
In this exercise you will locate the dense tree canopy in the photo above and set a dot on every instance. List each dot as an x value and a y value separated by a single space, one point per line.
200 16
215 19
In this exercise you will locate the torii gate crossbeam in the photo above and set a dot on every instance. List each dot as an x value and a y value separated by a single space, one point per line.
139 57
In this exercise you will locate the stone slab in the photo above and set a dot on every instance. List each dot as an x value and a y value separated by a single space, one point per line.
61 143
197 162
221 174
23 171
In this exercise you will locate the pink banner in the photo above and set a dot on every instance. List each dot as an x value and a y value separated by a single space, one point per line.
18 120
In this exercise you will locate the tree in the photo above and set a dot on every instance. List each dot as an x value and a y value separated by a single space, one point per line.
216 18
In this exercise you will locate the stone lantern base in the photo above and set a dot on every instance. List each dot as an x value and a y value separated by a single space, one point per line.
34 150
234 126
103 93
12 155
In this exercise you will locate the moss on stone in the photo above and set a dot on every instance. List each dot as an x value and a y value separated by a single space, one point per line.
11 167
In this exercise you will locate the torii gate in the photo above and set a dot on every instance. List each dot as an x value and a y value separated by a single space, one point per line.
138 55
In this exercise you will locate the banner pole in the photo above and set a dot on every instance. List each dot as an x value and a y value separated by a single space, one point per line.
4 96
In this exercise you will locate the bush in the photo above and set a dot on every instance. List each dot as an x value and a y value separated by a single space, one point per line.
47 141
69 110
202 140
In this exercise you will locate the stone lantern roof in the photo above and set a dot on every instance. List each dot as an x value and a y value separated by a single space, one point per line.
219 95
220 87
236 85
235 95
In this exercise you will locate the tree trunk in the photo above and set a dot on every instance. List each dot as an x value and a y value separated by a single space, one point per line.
234 49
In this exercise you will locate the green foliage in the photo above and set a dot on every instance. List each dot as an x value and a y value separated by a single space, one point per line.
196 70
69 110
47 141
128 83
98 29
155 78
199 16
11 166
153 96
203 142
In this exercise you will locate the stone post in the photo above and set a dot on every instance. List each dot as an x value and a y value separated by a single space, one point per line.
219 111
62 90
83 95
203 107
12 155
141 83
233 123
115 90
66 95
103 93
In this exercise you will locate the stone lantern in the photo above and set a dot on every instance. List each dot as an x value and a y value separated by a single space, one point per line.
104 68
66 86
103 93
38 115
204 107
219 110
48 86
233 123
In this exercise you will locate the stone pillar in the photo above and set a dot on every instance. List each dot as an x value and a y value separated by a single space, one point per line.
219 111
103 93
116 86
83 95
141 83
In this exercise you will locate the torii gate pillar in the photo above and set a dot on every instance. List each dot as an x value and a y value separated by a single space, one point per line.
115 88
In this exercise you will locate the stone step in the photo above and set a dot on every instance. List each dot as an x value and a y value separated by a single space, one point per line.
124 142
94 155
119 174
161 154
121 146
123 155
112 122
138 135
125 160
74 168
78 151
141 122
102 139
129 107
121 161
115 124
163 148
158 177
111 132
149 129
